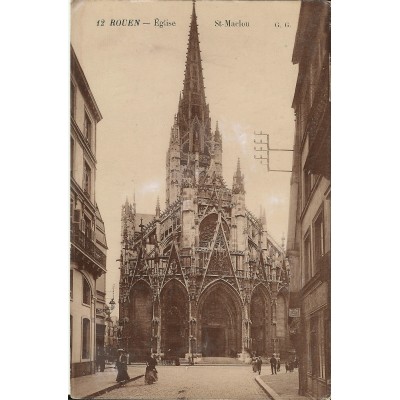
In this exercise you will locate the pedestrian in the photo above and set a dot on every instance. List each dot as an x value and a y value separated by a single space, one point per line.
98 356
151 374
101 359
272 361
278 364
254 363
122 366
259 363
102 362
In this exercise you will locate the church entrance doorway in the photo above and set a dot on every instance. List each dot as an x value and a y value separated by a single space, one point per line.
173 339
174 319
213 342
137 339
260 315
220 322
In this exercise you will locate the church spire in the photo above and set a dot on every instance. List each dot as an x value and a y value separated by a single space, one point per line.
238 180
193 87
193 112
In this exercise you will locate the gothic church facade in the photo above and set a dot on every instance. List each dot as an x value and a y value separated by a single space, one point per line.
203 276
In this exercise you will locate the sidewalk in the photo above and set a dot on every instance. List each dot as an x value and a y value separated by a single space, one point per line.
283 386
85 386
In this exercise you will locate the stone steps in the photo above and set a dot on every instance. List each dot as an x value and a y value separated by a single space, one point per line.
220 360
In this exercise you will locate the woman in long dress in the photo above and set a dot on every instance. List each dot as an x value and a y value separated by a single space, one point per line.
122 366
151 371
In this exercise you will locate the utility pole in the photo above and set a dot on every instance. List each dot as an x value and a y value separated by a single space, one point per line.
267 150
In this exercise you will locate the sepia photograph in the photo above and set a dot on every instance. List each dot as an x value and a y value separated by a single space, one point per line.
200 199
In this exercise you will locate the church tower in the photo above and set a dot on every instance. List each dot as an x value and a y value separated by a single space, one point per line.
191 141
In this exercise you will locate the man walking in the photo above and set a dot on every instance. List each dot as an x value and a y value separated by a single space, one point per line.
258 363
272 361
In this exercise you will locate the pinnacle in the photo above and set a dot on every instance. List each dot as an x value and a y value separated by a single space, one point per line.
262 215
217 135
238 179
238 172
158 206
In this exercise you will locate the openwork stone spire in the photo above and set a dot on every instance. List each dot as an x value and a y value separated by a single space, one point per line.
193 112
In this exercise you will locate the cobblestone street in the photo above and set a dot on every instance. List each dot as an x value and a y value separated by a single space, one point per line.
198 382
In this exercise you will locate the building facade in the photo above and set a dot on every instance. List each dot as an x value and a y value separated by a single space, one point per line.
202 277
87 232
308 246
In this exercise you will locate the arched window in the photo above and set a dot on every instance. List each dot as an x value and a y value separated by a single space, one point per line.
86 294
85 338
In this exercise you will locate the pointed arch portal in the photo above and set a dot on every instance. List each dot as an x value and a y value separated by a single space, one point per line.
141 314
259 316
174 319
220 321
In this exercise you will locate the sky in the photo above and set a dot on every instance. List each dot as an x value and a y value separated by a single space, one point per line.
136 74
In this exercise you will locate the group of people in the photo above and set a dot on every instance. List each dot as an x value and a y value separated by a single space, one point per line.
256 363
290 365
151 374
122 367
275 363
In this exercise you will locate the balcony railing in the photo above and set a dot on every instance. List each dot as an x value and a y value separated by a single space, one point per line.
87 246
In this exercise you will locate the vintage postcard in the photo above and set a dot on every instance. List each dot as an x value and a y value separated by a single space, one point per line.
200 199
